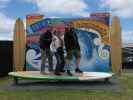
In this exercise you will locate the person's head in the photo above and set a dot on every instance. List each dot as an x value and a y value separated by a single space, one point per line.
57 33
69 26
49 28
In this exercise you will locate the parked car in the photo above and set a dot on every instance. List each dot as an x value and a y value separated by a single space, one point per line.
127 57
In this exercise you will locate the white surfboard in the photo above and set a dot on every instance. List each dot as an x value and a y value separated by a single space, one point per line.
35 75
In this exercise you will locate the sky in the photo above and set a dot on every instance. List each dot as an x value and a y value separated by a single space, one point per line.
10 10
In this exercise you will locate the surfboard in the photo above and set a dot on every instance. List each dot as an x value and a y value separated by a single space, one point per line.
116 46
85 76
19 45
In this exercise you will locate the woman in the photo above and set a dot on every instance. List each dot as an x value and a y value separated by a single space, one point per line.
57 45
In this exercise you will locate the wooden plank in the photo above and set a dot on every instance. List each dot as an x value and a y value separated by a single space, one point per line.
19 45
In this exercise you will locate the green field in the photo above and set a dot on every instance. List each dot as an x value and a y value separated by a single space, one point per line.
126 93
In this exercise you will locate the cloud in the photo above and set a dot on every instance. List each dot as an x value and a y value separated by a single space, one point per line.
6 23
3 3
61 7
122 8
127 36
6 26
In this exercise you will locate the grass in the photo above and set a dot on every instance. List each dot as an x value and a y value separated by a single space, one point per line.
125 94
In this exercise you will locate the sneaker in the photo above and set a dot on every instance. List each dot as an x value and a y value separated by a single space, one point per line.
43 73
69 73
77 70
57 73
62 71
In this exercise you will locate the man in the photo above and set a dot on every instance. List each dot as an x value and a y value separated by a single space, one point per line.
45 41
72 48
